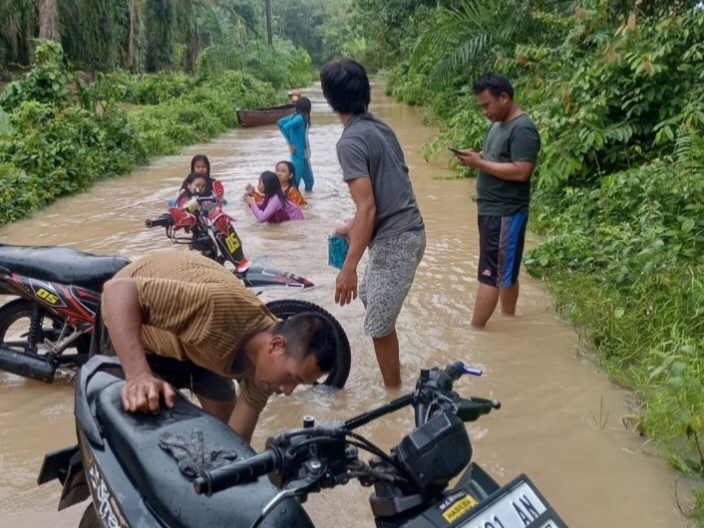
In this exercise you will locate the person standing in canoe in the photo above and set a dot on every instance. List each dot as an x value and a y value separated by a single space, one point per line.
295 130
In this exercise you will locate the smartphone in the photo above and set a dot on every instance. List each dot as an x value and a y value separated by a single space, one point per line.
454 150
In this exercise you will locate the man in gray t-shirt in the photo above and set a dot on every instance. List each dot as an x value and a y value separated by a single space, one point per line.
387 220
505 166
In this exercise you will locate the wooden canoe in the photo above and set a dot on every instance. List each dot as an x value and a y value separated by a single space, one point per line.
264 116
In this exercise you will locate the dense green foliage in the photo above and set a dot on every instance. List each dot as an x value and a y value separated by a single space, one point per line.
323 27
59 134
157 35
617 91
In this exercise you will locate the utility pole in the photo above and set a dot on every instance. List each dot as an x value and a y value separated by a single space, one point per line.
269 36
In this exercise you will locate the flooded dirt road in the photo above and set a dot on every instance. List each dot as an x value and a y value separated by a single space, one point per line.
560 422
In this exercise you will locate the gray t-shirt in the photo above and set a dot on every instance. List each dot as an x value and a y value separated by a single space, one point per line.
368 148
515 140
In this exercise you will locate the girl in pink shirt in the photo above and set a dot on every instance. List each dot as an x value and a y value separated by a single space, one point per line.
275 207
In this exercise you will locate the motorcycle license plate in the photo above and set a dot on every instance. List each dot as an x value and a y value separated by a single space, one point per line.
519 504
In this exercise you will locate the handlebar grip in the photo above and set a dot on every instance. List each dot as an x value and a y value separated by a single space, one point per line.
471 410
455 370
164 220
228 476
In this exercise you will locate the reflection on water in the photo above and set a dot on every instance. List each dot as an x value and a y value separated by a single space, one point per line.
548 426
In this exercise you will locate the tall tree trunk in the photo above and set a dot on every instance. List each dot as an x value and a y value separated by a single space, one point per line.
195 49
129 63
269 36
48 19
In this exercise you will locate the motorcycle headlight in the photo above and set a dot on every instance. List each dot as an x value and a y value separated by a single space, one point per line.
436 452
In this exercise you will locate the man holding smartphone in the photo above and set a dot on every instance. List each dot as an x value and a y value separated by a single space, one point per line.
505 166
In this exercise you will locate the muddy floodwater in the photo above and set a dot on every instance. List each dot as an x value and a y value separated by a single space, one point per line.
561 420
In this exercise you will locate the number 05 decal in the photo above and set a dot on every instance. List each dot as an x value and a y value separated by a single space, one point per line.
232 243
47 296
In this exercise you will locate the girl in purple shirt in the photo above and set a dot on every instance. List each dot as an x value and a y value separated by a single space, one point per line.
275 207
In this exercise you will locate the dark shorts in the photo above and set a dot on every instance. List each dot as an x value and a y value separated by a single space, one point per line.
180 374
501 241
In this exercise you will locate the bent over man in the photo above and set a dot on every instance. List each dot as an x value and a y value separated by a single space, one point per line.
178 319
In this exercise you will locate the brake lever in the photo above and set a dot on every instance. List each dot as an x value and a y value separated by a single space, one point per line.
294 488
280 496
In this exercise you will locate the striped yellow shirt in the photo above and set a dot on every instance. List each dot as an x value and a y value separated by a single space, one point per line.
193 308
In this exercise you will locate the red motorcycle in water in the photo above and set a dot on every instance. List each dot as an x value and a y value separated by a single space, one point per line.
60 288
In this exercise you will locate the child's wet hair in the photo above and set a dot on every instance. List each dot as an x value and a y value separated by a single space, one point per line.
193 176
272 186
204 159
290 167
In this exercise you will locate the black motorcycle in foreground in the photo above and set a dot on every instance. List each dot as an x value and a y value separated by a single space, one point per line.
175 469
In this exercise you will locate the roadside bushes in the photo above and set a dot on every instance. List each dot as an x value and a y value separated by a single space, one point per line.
618 193
625 263
63 136
68 148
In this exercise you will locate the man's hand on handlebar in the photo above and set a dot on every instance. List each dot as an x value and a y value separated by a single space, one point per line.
143 393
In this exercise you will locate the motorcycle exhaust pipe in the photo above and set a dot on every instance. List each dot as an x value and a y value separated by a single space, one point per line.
27 365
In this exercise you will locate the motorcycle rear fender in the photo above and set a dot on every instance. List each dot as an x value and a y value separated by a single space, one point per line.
5 288
66 465
8 288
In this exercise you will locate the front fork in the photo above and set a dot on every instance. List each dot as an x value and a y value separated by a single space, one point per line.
229 242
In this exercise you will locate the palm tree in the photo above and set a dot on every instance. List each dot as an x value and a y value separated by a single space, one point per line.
269 36
464 41
48 19
129 60
17 19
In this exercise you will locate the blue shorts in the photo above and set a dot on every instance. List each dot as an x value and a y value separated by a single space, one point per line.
501 241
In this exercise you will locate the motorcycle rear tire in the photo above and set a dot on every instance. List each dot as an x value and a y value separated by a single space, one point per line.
90 518
285 308
21 309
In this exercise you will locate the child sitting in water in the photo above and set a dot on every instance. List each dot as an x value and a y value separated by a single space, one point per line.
201 165
196 184
275 207
286 173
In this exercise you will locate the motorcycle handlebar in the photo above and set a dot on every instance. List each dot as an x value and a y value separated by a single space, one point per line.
228 476
471 410
441 381
457 369
164 220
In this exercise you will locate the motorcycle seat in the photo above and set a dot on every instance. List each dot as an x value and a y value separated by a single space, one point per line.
134 438
60 264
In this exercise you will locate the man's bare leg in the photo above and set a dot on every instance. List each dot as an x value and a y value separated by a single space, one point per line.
387 355
484 305
509 299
